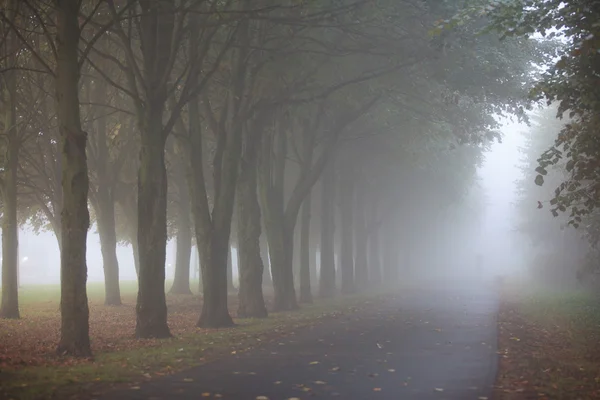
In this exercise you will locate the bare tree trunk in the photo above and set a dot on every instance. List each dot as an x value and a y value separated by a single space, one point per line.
10 234
361 238
347 231
390 254
230 286
327 270
250 264
305 256
280 230
105 206
264 255
374 249
212 231
181 281
75 218
10 227
151 306
108 245
135 249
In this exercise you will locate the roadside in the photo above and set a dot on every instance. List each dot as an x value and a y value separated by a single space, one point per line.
549 345
29 368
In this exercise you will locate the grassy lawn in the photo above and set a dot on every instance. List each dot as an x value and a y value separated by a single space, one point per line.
549 344
29 368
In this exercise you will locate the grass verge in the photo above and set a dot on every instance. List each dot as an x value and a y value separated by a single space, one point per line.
549 344
74 379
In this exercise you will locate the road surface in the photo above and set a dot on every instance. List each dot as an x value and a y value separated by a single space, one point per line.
435 343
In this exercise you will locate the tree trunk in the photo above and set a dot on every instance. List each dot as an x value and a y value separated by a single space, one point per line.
10 227
264 256
181 281
390 255
327 265
374 250
361 238
212 233
305 256
280 254
151 306
230 286
347 231
250 264
135 249
10 234
105 206
108 245
75 220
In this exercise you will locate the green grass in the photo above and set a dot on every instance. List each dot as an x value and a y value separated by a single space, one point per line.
35 294
193 348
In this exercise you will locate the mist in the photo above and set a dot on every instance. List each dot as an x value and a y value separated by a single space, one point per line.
263 199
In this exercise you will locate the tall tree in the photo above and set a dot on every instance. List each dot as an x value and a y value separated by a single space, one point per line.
8 183
75 220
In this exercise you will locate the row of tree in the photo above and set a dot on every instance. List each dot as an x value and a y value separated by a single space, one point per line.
240 112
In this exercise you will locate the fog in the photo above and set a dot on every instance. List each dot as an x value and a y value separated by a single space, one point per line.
483 223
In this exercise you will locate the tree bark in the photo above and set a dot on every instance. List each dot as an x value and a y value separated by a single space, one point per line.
361 238
279 229
305 256
104 204
230 286
10 233
181 281
135 249
75 220
374 249
347 231
390 254
250 264
212 230
108 245
10 227
151 309
264 256
327 265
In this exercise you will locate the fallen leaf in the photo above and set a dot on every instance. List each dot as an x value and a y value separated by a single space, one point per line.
262 398
205 394
377 389
313 363
320 383
188 380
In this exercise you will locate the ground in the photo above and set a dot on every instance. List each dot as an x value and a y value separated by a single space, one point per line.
30 369
438 343
549 342
433 340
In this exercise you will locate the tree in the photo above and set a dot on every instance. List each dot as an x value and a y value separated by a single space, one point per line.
8 183
75 221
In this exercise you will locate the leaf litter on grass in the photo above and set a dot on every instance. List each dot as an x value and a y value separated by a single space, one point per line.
548 349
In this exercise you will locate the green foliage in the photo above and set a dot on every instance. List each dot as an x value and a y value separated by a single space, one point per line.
572 81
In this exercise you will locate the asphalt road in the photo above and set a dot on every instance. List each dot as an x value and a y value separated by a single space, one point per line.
438 343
